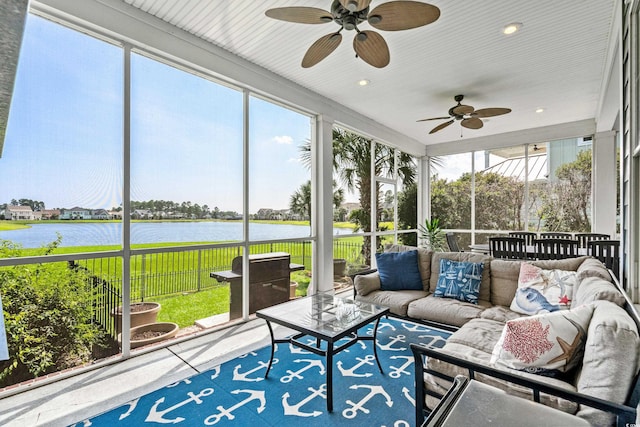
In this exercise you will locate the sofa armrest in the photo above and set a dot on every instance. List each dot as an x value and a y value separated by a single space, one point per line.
365 282
623 413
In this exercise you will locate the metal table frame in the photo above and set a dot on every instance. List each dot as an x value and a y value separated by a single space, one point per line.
349 332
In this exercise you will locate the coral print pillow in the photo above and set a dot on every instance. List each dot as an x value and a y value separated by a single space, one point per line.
543 291
459 280
548 344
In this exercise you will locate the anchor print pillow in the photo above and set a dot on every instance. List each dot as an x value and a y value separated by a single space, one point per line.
459 280
543 291
549 344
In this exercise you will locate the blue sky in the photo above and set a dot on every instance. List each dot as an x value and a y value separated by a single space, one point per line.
64 139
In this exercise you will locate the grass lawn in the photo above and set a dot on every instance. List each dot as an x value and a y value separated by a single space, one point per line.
185 309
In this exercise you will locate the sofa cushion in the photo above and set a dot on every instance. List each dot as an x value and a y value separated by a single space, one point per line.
397 301
485 284
610 360
446 310
569 264
504 281
541 290
594 289
474 342
424 260
459 280
399 271
549 344
500 313
367 283
592 267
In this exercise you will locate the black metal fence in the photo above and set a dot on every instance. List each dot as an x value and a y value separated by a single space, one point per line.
180 271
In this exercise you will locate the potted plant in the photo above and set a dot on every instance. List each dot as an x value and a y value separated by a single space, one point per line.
432 235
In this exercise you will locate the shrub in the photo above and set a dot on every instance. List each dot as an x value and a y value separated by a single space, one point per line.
48 317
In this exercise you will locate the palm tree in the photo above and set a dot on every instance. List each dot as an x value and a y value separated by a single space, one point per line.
300 201
352 165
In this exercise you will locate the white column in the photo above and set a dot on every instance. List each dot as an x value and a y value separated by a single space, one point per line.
322 206
603 188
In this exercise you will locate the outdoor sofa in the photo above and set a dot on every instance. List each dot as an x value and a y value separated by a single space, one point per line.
599 386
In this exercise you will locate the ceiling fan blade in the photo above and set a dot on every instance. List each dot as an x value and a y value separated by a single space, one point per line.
472 123
300 15
371 47
434 118
441 126
355 5
461 110
320 49
402 15
490 112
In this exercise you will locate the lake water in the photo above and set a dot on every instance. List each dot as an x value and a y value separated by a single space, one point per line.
110 233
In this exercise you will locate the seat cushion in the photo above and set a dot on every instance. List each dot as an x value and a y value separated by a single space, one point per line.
474 342
446 310
610 360
397 301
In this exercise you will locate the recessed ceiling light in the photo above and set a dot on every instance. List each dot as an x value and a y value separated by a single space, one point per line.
364 82
511 28
539 110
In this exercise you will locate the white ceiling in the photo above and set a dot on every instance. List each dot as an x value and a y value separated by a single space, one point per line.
558 60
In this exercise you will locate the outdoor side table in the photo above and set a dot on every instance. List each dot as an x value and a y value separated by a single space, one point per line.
327 318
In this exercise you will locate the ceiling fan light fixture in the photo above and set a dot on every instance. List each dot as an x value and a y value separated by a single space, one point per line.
352 5
374 19
361 37
511 28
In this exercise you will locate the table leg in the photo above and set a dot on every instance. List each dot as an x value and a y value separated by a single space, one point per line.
273 346
329 376
375 347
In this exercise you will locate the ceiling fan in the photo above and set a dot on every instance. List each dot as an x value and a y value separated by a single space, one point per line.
469 116
348 14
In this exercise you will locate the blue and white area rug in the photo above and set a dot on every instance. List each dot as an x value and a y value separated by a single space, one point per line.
236 392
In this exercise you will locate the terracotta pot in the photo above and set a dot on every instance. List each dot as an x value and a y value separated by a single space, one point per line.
141 314
157 332
339 267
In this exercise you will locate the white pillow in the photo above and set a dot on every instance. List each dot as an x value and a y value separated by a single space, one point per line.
547 344
543 291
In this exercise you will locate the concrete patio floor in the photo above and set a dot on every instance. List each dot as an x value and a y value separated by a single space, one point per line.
72 400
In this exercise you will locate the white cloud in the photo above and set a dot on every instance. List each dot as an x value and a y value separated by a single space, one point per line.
284 139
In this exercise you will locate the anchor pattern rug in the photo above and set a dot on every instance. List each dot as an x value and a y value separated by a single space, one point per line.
236 392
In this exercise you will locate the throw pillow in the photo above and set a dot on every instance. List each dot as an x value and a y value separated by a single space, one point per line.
543 291
548 344
399 271
459 280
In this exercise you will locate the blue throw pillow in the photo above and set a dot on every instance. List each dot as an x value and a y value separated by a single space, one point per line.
399 271
459 280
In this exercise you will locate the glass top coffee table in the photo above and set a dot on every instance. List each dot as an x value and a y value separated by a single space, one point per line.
326 318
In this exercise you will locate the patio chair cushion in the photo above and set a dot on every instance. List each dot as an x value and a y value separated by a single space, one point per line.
610 360
399 271
550 344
